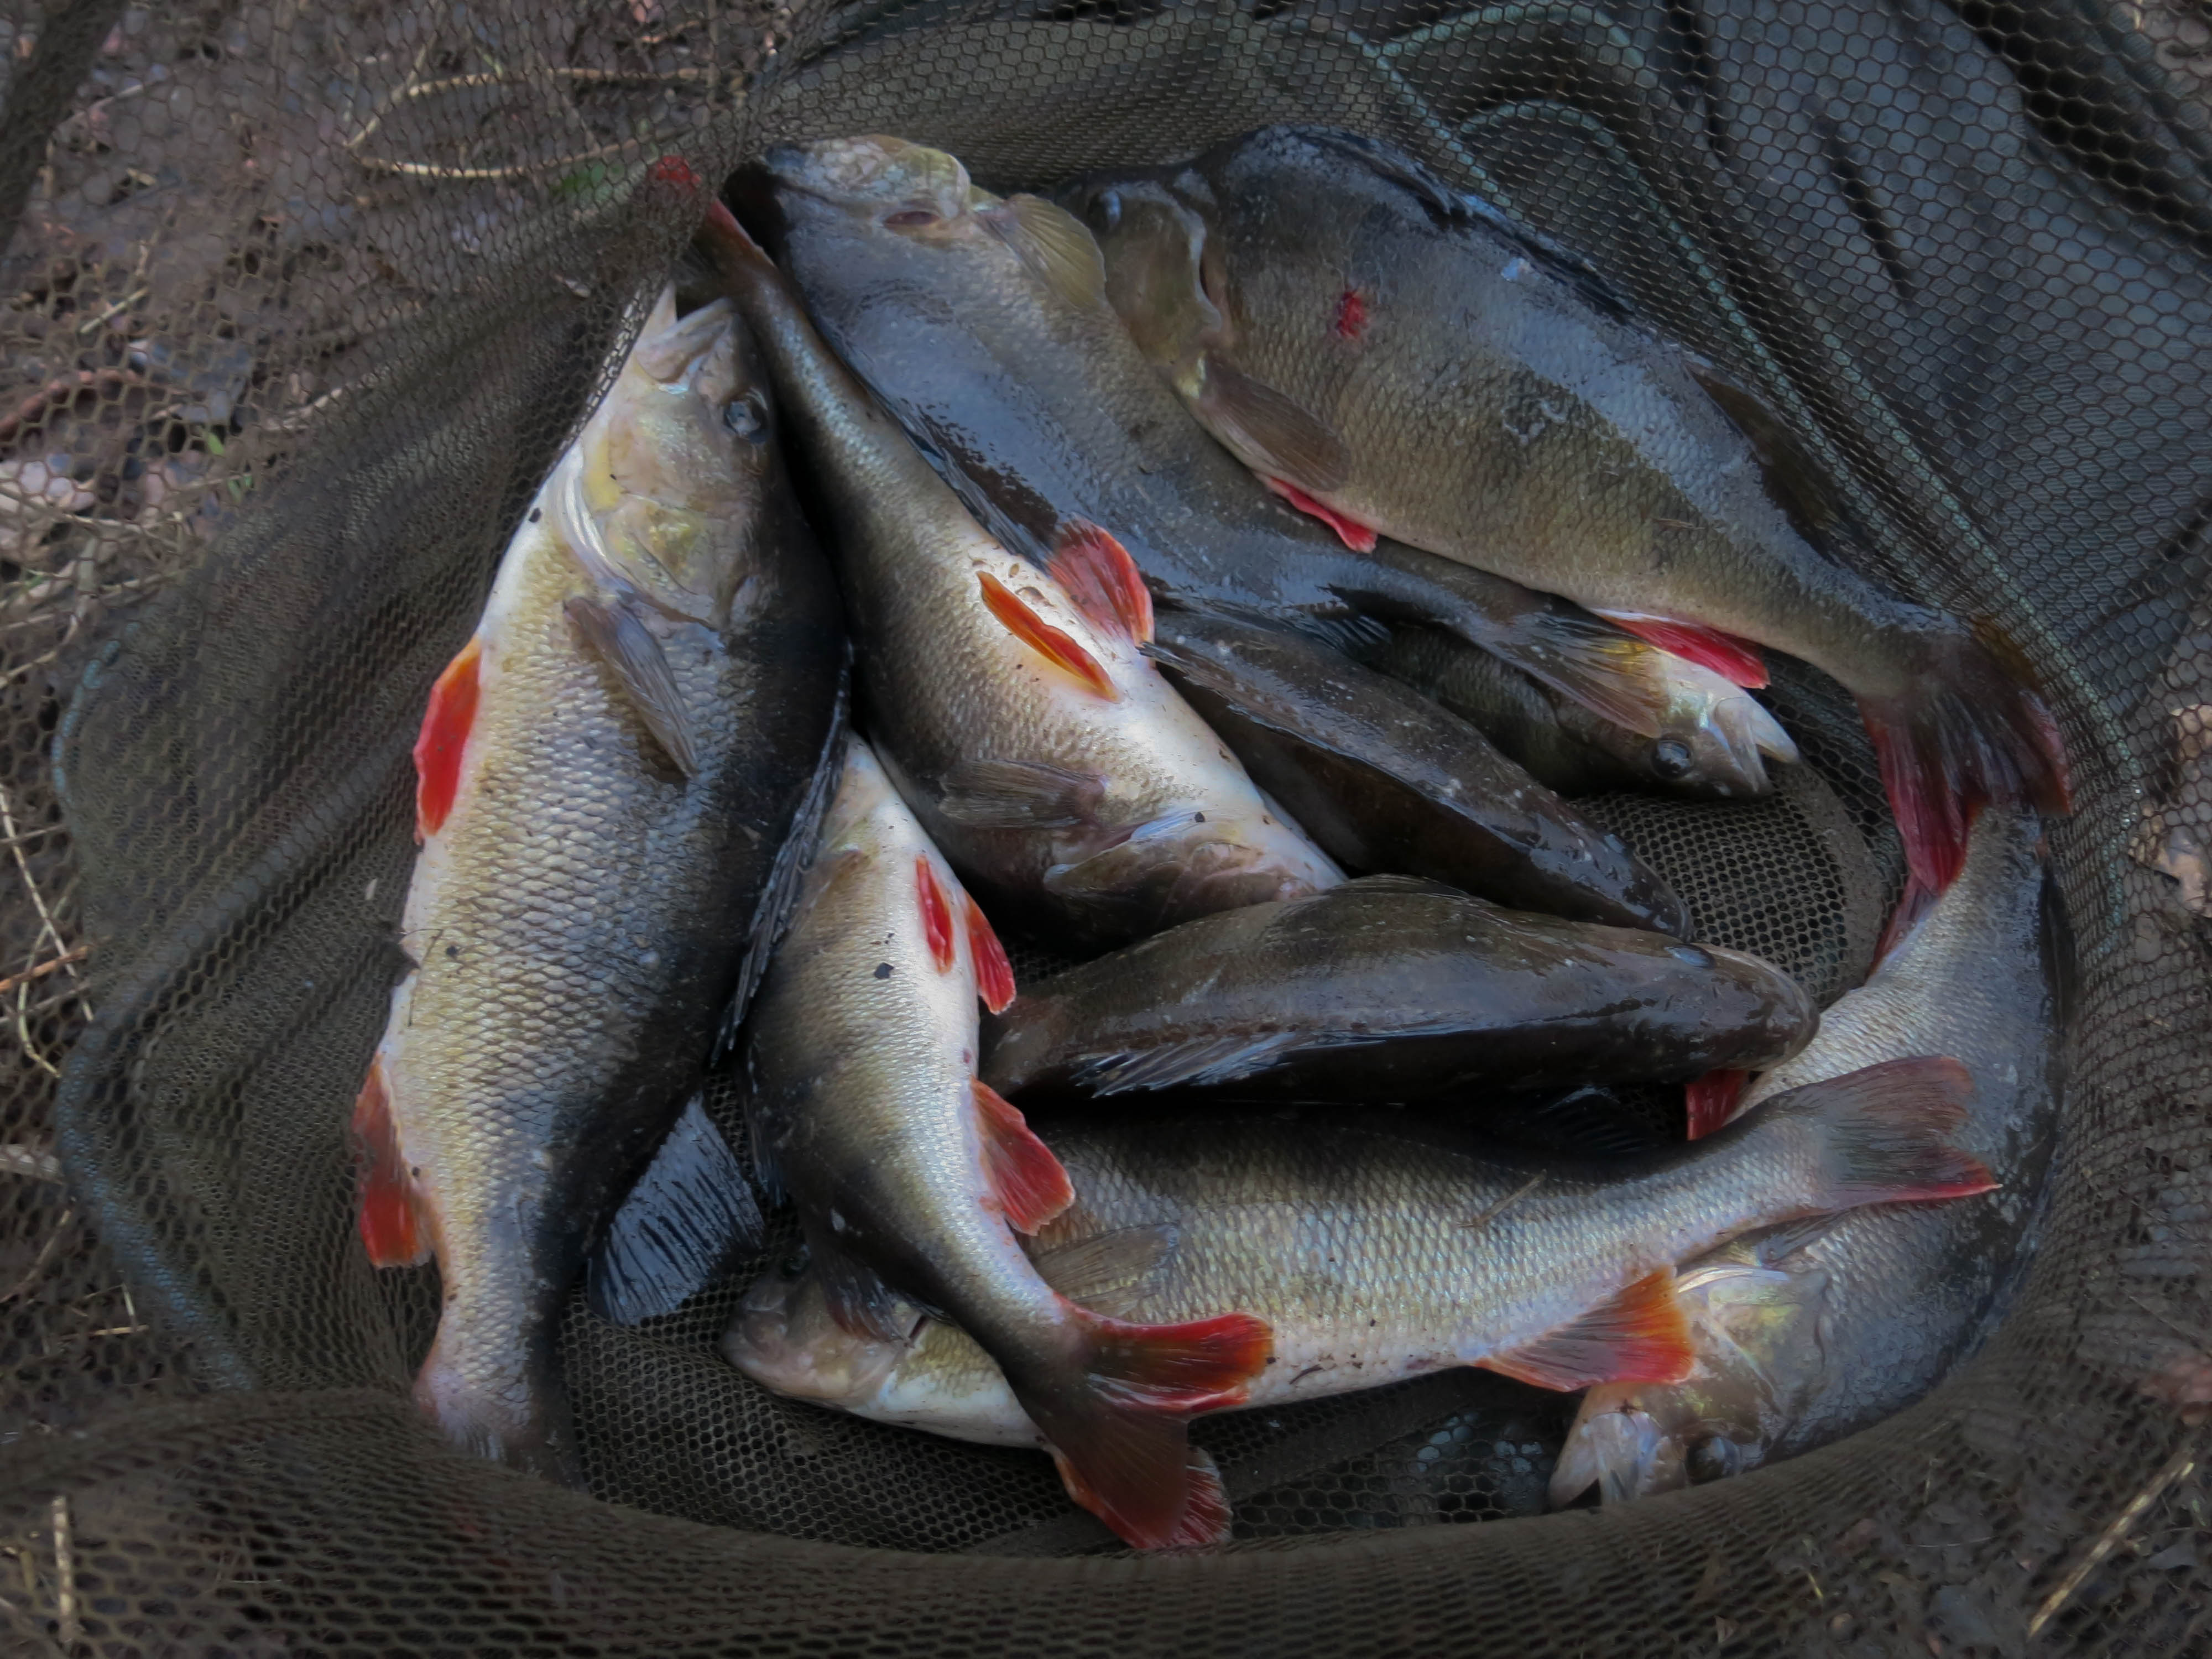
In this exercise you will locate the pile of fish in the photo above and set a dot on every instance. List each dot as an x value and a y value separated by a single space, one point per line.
1218 576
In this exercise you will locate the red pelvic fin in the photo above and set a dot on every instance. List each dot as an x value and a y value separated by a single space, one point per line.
390 1219
1026 1181
1102 582
1023 1175
1711 1099
1730 655
936 913
994 974
1051 643
1639 1335
443 741
1354 534
1969 733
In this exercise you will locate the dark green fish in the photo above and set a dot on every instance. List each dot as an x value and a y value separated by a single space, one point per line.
982 325
1390 988
1391 357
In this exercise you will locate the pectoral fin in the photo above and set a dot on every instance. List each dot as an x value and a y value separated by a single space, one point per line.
1053 243
1274 435
1012 794
615 633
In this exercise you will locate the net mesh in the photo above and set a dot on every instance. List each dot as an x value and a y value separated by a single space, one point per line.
300 303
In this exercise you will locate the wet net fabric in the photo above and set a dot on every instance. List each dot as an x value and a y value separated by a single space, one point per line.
298 306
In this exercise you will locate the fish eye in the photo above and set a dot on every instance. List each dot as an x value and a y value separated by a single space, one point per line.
792 1264
1671 758
1714 1458
910 219
747 417
1106 209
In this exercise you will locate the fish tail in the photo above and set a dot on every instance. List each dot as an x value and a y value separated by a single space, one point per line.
1884 1133
509 1412
1119 1429
1969 733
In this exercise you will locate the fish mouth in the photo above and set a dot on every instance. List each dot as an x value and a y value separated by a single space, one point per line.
785 1338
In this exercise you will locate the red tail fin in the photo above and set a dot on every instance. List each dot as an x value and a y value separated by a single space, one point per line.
1119 1433
1354 534
1733 658
1968 734
391 1222
1711 1099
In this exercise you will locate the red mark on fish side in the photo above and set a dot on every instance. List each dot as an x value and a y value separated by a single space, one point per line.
1351 314
1102 582
1354 534
936 913
1730 655
389 1220
994 974
1041 636
1710 1100
439 747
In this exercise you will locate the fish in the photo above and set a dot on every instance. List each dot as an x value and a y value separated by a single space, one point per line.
616 779
1375 1254
1393 988
1715 750
1397 359
1013 706
911 1177
982 323
1811 1331
1385 779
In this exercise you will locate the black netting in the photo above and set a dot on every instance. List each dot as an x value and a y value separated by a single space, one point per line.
299 304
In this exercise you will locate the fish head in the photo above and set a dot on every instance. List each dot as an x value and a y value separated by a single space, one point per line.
1756 1334
905 213
1164 275
1714 737
786 1338
667 484
1190 864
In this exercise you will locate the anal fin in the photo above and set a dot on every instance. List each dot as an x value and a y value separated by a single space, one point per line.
391 1217
613 631
1639 1335
1026 1180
